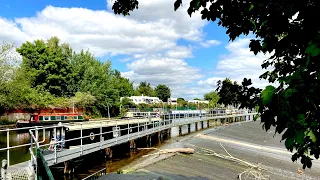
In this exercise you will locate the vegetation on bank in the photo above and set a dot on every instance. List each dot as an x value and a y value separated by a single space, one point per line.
51 74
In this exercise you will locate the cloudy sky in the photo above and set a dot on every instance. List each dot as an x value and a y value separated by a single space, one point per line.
154 44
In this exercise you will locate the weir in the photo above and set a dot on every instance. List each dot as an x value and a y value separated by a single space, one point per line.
73 140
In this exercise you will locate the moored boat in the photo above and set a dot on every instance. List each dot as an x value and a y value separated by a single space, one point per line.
42 119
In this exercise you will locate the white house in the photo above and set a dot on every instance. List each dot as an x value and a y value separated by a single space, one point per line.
173 101
143 99
198 101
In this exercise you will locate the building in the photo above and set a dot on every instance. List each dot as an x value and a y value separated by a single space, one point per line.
143 99
198 101
173 101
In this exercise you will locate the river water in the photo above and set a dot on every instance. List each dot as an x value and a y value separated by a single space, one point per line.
122 155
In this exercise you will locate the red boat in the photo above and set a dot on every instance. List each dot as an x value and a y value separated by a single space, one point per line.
50 118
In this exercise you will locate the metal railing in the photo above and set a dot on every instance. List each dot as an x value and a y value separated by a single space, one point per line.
155 123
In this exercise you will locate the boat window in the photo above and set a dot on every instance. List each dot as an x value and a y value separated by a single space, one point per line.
80 117
75 117
69 118
62 117
53 118
46 118
40 118
58 118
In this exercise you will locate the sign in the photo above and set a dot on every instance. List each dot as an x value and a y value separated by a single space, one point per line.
91 136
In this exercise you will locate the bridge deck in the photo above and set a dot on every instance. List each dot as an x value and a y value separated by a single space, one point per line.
76 151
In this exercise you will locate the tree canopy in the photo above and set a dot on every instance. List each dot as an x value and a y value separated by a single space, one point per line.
163 92
228 92
145 89
287 30
213 97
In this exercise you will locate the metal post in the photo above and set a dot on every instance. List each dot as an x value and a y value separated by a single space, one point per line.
108 112
117 131
8 145
128 130
81 139
100 134
138 127
4 169
54 144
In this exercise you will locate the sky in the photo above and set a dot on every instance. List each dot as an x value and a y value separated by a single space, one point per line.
154 44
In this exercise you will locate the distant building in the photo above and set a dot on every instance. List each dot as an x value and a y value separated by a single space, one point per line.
173 101
143 99
198 101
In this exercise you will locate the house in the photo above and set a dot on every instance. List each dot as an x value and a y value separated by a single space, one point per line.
173 101
198 101
143 99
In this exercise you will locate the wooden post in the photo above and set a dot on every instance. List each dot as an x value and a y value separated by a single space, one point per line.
189 128
180 130
208 124
201 124
196 124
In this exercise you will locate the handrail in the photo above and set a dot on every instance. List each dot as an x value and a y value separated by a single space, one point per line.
173 120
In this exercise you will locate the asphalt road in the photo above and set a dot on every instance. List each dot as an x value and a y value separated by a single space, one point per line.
246 141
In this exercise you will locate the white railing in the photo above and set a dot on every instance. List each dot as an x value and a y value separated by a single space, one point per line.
118 138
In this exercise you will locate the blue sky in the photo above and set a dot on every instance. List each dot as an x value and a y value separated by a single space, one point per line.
187 54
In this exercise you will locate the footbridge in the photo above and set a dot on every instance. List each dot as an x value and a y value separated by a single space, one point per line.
63 142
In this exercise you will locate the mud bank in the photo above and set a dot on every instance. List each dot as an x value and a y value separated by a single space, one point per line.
244 141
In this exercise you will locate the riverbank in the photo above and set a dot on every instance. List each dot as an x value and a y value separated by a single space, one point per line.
246 142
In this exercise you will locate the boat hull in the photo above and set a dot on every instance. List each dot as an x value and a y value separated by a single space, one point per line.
43 123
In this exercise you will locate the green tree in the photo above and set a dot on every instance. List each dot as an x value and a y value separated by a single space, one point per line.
293 105
124 86
213 98
163 92
196 99
181 102
145 89
228 92
47 63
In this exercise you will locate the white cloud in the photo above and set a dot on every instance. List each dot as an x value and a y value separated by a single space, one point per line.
148 41
210 43
179 52
169 71
238 64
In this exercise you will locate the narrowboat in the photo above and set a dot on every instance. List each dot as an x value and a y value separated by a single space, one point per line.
42 119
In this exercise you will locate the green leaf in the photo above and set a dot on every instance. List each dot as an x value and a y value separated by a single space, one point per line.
251 7
177 4
267 95
299 137
256 117
288 93
312 136
289 142
313 50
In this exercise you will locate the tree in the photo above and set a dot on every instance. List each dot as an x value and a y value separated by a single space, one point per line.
47 63
228 92
181 102
213 97
293 105
196 99
163 92
145 89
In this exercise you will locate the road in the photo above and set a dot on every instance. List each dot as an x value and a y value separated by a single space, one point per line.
246 142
